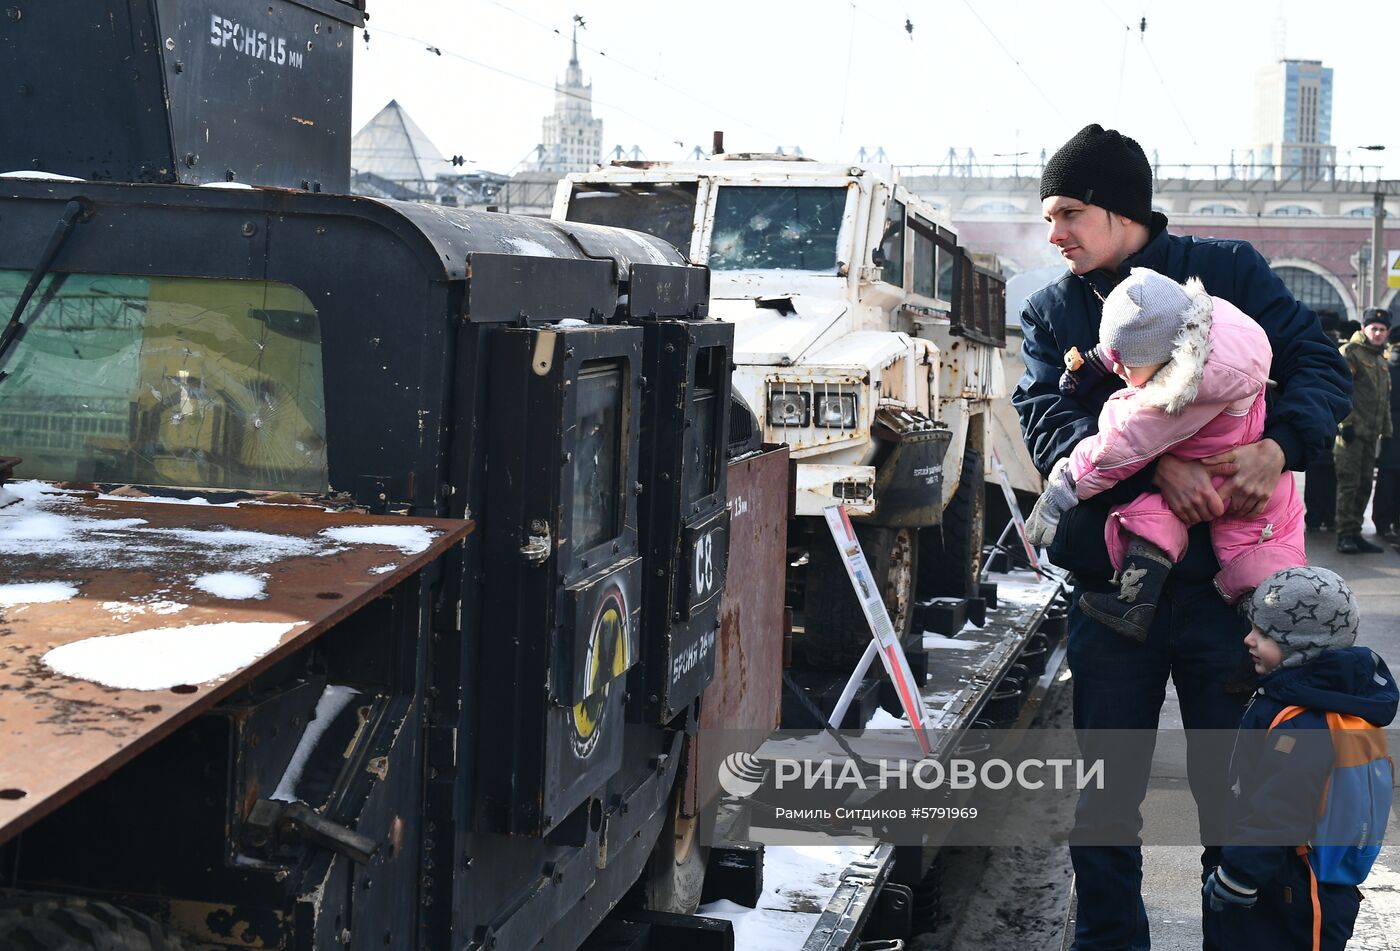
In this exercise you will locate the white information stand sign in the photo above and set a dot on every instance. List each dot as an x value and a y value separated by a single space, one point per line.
1010 495
886 641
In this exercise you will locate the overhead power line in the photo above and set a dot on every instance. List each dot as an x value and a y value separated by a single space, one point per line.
442 51
1165 88
1142 37
1010 56
652 77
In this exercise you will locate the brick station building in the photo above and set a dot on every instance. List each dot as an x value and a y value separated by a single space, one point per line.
1316 232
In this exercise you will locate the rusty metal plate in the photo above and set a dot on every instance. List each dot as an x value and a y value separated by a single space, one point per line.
76 569
745 696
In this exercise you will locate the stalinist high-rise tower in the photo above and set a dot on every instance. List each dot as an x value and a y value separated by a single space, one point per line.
573 139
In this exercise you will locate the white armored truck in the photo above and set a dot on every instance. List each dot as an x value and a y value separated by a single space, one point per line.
865 338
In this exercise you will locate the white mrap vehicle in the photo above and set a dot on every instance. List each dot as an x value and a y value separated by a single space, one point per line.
865 338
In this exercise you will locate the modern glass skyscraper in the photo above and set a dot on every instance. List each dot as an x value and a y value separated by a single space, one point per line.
1294 120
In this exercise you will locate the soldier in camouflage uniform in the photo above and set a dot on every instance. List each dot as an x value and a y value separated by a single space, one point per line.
1355 450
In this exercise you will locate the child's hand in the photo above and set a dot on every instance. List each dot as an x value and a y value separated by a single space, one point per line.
1057 499
1220 890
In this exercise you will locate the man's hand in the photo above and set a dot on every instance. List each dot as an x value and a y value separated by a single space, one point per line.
1253 472
1186 488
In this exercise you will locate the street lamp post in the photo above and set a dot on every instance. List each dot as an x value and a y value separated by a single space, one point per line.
1378 256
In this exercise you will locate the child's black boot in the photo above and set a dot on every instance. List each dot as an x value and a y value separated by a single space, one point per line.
1131 610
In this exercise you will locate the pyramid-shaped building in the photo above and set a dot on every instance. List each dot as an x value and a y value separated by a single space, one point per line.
392 158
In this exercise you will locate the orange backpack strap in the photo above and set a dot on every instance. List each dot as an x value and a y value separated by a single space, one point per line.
1287 713
1356 740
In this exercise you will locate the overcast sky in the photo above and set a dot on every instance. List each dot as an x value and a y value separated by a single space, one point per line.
832 75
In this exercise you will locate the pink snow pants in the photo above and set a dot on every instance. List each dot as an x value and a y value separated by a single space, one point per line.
1249 549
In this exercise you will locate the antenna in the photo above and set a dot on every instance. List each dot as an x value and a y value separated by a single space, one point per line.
1280 34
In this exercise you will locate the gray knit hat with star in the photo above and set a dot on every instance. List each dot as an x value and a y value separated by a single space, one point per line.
1307 610
1142 317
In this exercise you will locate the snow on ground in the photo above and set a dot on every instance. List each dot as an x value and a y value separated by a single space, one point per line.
333 700
409 539
35 592
383 569
160 658
798 881
232 585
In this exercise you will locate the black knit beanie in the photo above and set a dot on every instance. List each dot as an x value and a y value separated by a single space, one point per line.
1101 167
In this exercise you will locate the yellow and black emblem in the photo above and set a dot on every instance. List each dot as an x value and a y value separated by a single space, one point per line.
607 659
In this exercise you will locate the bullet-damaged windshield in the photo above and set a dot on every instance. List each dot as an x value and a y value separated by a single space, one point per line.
777 228
166 381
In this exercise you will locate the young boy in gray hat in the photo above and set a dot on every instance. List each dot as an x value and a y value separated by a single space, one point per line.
1197 370
1284 880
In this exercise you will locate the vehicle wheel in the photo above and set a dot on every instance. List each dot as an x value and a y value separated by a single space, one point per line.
675 874
836 629
950 559
66 923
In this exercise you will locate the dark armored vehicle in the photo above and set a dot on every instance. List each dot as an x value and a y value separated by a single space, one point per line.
424 675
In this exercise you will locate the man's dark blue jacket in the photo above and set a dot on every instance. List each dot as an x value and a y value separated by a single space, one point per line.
1278 788
1313 394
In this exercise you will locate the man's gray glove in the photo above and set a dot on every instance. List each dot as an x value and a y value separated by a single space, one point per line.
1221 890
1057 499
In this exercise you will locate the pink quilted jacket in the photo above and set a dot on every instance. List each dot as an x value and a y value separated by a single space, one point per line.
1207 400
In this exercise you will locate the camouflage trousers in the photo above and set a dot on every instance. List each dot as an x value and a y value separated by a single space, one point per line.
1356 465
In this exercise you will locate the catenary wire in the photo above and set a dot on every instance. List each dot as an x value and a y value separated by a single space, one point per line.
639 71
444 51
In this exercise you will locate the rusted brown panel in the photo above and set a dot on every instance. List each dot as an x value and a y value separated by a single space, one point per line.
58 734
746 693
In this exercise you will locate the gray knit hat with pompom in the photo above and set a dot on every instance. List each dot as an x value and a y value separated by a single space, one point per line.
1307 610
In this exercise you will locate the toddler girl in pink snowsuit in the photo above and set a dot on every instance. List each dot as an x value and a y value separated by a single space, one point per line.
1197 370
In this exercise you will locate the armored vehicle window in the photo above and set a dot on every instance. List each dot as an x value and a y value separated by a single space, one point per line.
662 210
892 245
777 228
945 277
166 381
925 254
701 471
599 465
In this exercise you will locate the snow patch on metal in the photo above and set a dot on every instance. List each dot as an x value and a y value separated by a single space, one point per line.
798 881
35 592
232 585
333 700
409 539
126 610
939 642
161 658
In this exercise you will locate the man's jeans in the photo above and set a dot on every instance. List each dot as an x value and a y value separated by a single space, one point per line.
1119 684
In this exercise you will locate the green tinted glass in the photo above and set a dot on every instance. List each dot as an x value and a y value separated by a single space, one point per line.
166 381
